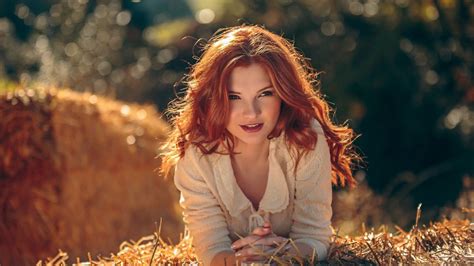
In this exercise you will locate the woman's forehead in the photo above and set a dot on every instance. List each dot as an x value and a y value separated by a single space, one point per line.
252 76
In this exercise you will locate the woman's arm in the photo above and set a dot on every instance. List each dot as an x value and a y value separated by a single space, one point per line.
312 214
303 250
224 258
202 213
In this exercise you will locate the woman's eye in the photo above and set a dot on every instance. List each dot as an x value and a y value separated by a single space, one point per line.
233 97
267 93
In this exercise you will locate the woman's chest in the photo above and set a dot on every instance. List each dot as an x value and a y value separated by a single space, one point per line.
252 181
254 191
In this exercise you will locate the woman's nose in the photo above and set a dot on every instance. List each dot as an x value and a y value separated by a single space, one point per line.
252 109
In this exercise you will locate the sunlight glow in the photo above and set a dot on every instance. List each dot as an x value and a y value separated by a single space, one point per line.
125 110
205 16
224 41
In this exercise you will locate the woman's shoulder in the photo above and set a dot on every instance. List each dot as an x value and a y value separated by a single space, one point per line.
316 126
321 143
282 144
194 156
321 149
317 158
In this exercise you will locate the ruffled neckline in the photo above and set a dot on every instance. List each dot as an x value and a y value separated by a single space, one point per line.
276 195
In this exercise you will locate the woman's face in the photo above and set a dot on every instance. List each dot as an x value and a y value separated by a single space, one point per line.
254 104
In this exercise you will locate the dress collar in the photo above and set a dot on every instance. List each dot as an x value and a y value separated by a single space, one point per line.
276 195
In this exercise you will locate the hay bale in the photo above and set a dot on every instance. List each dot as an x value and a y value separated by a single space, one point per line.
77 173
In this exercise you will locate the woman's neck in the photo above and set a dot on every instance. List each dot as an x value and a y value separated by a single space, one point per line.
251 153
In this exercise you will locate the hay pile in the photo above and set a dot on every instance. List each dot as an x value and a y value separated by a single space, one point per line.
442 242
77 172
447 241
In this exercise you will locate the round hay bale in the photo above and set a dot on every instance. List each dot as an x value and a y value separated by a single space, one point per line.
77 173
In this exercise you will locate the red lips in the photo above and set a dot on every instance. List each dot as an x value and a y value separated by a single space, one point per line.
251 128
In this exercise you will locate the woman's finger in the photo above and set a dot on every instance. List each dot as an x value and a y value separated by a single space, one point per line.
244 241
262 231
267 224
252 251
270 241
250 259
257 252
259 244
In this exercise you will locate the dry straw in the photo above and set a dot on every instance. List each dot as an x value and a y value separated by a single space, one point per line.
445 242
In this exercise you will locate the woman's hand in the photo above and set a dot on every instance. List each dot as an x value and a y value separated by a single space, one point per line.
262 240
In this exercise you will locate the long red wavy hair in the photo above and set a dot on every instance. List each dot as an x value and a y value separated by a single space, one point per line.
200 117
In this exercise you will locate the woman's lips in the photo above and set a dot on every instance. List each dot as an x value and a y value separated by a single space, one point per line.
252 128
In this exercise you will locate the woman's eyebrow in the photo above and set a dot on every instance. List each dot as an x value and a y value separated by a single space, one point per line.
267 87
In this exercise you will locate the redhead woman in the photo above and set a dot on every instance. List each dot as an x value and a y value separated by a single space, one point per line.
254 151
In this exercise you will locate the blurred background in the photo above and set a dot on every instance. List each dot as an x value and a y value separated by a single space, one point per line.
399 71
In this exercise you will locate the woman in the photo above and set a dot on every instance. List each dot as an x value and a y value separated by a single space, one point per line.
255 151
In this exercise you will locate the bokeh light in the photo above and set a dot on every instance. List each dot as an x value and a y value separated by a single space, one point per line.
205 16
